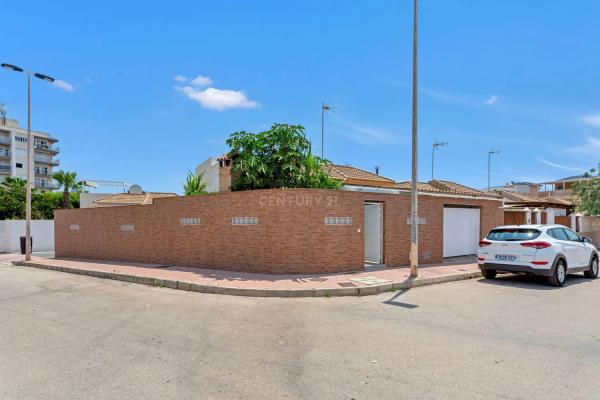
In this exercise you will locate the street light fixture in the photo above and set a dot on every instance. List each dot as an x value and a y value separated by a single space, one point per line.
29 153
436 145
490 154
324 108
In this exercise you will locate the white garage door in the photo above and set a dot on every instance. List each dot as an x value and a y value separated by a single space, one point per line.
461 231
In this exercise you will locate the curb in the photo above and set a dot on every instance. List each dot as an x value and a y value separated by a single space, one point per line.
234 291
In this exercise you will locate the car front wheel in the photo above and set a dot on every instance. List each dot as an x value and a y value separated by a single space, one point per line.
592 273
560 274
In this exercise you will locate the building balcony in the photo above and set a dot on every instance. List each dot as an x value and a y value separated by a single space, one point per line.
555 193
4 154
46 185
4 169
5 140
47 174
46 160
45 148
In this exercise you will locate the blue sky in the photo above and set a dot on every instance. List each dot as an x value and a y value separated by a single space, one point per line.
520 77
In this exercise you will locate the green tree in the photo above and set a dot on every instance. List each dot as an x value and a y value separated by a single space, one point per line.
277 158
12 198
194 185
588 193
43 204
69 183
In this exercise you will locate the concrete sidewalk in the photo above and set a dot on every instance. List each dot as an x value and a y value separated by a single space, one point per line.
375 280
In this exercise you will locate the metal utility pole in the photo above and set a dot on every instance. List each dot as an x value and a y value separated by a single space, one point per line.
436 145
30 181
324 107
490 154
414 207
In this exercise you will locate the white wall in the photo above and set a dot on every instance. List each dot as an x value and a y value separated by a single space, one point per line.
210 169
42 232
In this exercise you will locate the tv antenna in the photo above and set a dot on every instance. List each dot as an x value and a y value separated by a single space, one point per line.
3 113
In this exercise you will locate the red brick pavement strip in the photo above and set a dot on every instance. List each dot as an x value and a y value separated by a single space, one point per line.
257 285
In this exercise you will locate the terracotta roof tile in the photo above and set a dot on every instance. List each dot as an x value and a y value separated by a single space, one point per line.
121 199
345 173
447 187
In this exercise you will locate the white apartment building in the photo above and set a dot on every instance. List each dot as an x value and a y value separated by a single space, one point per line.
13 153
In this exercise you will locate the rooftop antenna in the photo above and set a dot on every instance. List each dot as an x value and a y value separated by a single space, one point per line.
436 145
325 107
3 113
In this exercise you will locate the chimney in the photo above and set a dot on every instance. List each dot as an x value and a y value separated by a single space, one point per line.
377 170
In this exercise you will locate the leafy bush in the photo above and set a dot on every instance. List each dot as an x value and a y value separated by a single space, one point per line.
277 158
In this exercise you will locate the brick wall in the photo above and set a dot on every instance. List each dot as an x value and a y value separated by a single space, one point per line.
290 237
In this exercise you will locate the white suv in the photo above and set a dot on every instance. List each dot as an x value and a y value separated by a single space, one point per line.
545 250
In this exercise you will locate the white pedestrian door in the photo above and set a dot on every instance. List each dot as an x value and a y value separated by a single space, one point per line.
461 231
373 233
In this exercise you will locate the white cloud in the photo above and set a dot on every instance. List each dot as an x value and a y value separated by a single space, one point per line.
369 134
180 78
63 85
590 148
559 166
88 80
218 99
201 81
591 120
492 100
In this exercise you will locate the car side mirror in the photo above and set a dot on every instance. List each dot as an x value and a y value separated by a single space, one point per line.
586 240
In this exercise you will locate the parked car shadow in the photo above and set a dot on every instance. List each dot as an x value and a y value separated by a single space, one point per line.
532 282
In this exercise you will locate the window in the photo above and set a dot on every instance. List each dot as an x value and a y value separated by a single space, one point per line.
190 221
572 236
244 221
557 233
74 227
20 139
19 165
338 220
513 234
128 227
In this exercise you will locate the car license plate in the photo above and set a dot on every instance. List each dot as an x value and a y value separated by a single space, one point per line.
506 257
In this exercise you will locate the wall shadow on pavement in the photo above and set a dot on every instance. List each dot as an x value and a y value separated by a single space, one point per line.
532 282
392 300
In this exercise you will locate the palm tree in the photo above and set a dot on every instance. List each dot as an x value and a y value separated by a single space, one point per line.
194 185
68 181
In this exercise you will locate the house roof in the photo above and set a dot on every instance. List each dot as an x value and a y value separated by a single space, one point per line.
571 178
523 199
356 176
519 197
448 187
125 199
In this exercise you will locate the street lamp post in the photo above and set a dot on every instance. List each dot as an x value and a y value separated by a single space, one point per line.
324 107
490 154
414 208
29 154
436 145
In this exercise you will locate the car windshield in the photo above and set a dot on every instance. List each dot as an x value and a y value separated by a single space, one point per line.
513 234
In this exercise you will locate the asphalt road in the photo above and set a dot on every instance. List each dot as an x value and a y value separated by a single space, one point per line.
73 337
